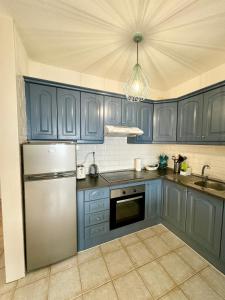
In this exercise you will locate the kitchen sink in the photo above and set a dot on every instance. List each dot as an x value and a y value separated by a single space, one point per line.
211 185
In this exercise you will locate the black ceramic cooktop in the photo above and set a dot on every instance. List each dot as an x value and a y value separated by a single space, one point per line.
119 176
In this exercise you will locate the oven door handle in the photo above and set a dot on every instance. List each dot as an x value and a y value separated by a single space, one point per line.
128 200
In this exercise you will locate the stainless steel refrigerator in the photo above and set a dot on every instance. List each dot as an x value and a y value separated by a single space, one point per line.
49 202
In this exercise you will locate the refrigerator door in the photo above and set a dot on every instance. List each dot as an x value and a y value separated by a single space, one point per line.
48 158
50 221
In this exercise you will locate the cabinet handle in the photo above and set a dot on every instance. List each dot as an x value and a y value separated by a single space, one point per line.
203 136
98 219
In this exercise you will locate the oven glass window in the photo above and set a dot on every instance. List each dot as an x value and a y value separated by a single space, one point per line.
127 211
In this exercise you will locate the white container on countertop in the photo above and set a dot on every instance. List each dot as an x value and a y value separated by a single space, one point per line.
137 164
81 172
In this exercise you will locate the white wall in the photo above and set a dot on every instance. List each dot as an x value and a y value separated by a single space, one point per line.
116 154
10 156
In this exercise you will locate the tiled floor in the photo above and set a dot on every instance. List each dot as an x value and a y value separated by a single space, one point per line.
150 264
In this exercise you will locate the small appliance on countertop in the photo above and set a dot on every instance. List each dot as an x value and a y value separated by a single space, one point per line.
81 172
93 169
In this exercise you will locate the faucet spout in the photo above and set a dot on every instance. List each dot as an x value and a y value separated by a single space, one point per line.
204 177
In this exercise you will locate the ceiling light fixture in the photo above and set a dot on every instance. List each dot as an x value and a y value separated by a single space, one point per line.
137 89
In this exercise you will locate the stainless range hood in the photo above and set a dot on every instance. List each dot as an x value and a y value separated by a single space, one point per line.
122 131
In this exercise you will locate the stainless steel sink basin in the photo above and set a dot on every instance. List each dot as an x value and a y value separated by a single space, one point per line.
211 185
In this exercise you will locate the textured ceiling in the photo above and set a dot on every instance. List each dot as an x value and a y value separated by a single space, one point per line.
182 38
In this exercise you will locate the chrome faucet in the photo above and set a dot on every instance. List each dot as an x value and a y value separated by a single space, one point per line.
203 172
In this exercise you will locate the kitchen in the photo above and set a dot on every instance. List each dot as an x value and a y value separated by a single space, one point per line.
85 50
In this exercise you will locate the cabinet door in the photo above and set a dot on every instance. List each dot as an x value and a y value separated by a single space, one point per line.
144 122
174 205
204 221
129 113
190 113
68 114
112 111
43 112
153 199
165 122
222 255
214 115
92 117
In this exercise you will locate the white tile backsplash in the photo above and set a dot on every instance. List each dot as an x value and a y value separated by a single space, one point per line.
116 154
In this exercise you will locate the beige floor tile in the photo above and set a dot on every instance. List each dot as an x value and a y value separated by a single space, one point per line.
37 290
65 285
7 296
171 240
63 265
215 279
159 229
89 254
2 261
118 262
176 267
139 254
175 294
33 276
157 246
156 279
192 258
130 286
146 233
197 289
105 292
129 239
5 287
93 274
111 246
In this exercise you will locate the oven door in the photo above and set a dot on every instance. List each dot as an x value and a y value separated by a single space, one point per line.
127 210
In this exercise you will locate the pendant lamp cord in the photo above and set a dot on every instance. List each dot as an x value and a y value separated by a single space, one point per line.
137 52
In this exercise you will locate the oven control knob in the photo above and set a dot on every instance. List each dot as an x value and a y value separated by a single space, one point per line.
124 192
135 190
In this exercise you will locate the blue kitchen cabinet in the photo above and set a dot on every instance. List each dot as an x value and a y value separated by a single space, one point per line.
129 113
222 253
68 114
41 112
112 111
204 221
214 115
165 122
174 206
92 106
189 127
144 122
92 217
153 200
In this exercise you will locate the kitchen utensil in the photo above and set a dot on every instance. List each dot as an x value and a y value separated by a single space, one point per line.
93 169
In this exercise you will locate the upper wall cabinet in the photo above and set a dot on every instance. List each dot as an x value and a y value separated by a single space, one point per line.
92 117
41 112
112 111
165 122
68 114
144 122
214 115
129 113
189 128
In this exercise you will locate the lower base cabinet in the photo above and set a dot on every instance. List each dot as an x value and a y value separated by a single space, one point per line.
204 221
174 205
153 198
222 254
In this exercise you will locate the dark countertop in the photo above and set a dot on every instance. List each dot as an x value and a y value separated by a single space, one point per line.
187 181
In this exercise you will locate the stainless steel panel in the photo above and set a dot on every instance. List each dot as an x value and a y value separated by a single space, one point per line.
49 176
48 158
132 190
50 221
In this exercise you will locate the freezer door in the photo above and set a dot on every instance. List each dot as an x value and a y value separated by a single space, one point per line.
50 221
48 158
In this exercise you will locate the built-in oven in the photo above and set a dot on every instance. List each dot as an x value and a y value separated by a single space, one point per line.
127 206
